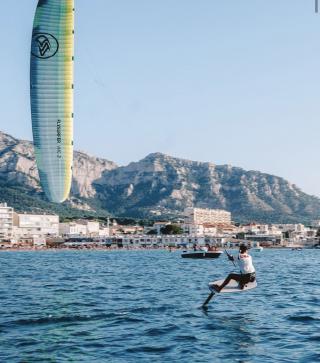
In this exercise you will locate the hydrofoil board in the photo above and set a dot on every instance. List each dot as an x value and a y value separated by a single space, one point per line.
233 286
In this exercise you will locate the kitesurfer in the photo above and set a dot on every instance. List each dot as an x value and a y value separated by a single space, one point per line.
248 272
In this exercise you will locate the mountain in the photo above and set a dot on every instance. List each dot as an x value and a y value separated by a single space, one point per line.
19 180
158 185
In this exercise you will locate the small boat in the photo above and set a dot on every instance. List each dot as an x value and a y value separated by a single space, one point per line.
201 254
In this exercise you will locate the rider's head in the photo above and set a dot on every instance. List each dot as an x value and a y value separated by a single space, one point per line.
243 248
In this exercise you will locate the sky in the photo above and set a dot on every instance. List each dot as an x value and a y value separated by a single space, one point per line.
232 82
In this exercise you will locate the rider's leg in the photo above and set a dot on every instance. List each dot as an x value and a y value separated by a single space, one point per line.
230 277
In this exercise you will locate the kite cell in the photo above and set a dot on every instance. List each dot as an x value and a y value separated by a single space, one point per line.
51 90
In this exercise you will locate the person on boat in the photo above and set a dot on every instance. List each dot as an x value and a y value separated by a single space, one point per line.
248 272
212 248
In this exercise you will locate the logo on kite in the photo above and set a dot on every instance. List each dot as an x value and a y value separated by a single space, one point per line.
44 45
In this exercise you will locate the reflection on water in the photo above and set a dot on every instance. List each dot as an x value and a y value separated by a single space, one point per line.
142 306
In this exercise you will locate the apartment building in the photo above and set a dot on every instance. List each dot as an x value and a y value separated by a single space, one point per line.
80 228
6 221
206 216
35 225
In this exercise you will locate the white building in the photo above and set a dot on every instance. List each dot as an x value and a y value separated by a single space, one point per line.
193 229
210 216
93 228
274 239
137 241
72 229
298 227
104 231
6 221
120 229
270 229
210 229
80 228
159 225
35 225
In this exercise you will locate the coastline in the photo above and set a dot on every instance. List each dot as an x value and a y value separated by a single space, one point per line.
130 249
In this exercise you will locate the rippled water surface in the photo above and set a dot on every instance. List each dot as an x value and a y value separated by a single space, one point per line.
143 306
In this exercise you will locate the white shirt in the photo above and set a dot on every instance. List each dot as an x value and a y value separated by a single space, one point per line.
245 263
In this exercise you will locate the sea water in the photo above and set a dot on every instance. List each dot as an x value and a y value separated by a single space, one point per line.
144 306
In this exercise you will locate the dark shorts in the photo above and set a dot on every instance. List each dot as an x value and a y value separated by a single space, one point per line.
245 278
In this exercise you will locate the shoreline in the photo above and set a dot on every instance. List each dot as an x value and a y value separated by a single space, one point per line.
32 249
132 249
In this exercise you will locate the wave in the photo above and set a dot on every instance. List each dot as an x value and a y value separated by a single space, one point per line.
67 319
149 349
303 318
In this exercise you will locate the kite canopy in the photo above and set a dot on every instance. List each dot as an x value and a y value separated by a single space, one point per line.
51 90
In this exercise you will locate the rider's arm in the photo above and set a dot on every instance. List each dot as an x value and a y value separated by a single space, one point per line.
231 258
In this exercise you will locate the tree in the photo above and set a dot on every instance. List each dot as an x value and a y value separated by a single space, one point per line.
152 232
240 235
171 229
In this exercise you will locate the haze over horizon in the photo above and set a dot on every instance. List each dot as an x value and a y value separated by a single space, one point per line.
229 83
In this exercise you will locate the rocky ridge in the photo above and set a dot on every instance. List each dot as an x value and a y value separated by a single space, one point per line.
163 185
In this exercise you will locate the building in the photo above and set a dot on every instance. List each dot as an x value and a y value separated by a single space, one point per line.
93 228
148 241
72 229
158 226
6 221
210 229
206 216
104 231
116 229
80 228
35 225
193 229
264 239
